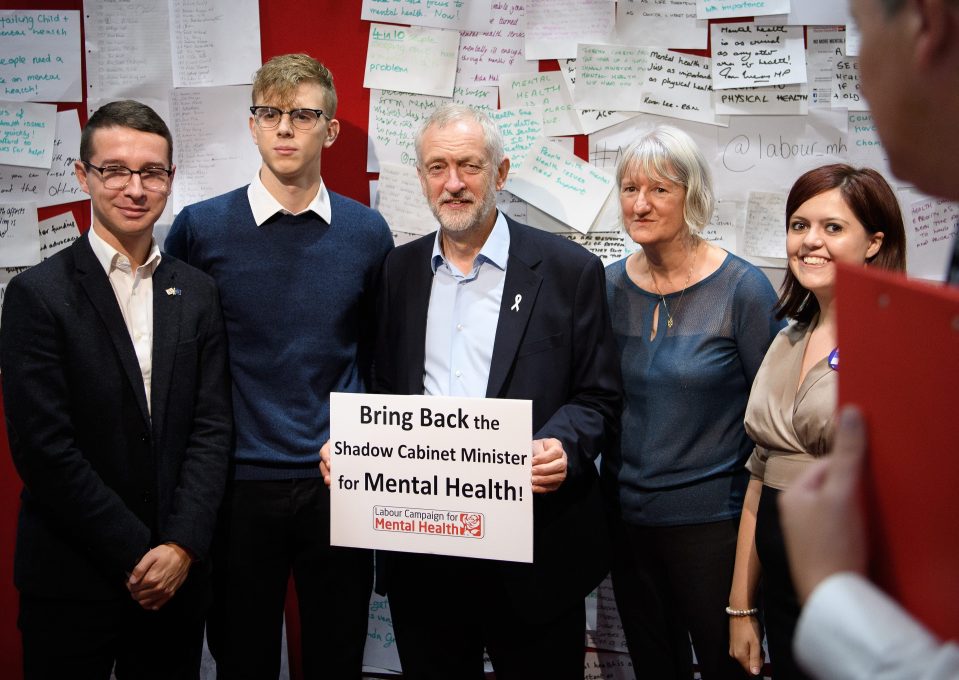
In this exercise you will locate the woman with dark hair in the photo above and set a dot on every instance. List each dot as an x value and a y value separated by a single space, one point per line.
834 214
692 323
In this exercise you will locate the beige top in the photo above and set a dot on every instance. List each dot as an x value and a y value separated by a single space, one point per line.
790 427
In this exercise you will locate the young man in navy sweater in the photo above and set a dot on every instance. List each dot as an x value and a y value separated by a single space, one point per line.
295 265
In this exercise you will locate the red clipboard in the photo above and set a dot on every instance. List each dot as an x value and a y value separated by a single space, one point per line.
899 362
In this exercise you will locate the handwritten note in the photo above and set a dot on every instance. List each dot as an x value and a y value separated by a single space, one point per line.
215 42
546 90
57 233
846 87
520 128
679 86
411 59
932 226
211 159
27 131
775 100
127 50
380 650
396 116
729 218
766 224
399 198
497 49
748 55
60 183
590 120
19 235
864 143
559 183
601 665
719 9
456 14
610 76
40 60
554 27
767 153
654 23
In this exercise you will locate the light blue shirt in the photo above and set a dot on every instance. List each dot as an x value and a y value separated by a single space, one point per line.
462 318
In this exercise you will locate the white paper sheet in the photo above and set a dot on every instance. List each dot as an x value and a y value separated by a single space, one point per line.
127 50
400 199
455 14
846 86
653 23
554 27
721 9
40 60
19 235
811 13
211 158
559 183
824 44
610 77
521 128
27 131
396 116
679 86
931 226
774 100
766 224
412 59
496 49
57 233
590 120
547 90
215 42
750 55
60 183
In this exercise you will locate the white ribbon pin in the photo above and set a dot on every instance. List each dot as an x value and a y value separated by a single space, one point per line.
516 302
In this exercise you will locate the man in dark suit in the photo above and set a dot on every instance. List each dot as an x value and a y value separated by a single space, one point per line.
488 307
117 401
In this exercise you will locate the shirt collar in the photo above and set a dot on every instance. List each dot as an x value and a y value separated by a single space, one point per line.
107 255
495 250
264 205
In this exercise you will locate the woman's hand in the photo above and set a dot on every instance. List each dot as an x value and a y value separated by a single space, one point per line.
746 643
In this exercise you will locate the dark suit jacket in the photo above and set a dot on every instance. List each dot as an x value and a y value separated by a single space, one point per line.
103 481
558 350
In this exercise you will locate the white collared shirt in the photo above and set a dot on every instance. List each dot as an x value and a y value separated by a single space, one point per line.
134 292
264 205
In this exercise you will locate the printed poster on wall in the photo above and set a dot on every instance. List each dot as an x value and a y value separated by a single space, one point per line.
440 475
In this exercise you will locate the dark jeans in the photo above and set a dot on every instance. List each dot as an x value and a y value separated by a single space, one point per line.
447 609
268 530
83 639
672 583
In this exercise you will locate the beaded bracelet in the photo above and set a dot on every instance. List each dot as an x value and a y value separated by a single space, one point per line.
742 612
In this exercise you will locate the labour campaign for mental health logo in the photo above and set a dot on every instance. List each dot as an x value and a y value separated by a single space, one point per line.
452 523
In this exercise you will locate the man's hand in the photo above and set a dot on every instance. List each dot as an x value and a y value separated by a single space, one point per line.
549 465
821 516
325 462
158 575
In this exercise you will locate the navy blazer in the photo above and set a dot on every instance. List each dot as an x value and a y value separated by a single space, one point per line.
558 350
103 480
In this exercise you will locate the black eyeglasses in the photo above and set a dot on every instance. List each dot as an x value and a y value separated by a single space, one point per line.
118 176
268 117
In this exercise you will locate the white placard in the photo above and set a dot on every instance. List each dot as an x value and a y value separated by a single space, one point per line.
438 475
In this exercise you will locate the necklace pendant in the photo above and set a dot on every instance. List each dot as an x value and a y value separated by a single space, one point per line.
669 322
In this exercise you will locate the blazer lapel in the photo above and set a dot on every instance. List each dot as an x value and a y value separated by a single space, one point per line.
167 309
416 293
97 287
519 296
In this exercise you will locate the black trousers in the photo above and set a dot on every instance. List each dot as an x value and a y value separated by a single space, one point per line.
268 530
672 583
780 603
447 609
84 639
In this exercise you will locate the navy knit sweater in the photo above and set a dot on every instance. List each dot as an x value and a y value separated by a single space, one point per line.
297 297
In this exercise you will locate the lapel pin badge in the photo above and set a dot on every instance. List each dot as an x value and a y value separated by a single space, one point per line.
173 291
516 301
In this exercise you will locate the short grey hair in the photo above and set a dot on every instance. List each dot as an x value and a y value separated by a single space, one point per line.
669 153
453 112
